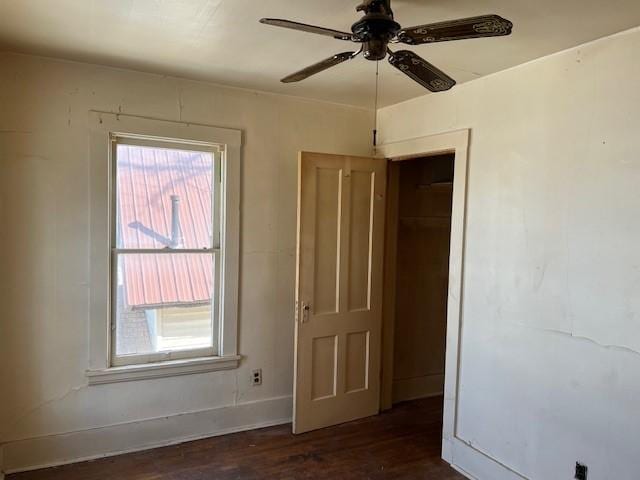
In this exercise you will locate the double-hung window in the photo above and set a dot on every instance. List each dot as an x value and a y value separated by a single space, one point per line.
165 250
173 253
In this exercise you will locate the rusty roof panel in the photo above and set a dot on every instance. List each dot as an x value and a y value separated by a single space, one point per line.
147 178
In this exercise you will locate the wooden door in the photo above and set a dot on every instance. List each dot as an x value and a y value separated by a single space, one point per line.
338 290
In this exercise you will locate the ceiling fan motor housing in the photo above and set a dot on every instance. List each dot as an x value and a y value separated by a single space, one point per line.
375 31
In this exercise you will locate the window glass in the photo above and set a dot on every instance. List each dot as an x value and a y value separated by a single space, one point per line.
164 301
164 198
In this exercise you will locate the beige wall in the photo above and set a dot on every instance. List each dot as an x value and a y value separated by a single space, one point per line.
550 369
550 339
44 289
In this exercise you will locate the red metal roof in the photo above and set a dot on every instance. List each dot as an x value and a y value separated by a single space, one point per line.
146 180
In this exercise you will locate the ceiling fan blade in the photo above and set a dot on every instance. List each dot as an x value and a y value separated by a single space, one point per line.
421 71
463 28
277 22
319 67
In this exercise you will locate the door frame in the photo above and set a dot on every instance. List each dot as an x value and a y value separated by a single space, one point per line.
456 142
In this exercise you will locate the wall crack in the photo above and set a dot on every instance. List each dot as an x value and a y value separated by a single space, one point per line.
38 407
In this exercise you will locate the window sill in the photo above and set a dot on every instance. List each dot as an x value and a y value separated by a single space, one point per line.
171 368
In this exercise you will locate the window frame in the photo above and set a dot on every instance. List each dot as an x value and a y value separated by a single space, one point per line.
215 250
105 130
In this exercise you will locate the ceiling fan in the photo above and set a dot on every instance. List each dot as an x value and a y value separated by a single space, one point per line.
377 29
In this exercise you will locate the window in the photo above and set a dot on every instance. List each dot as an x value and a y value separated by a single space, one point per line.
165 248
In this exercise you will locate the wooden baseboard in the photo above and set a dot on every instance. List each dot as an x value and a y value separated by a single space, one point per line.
417 387
61 449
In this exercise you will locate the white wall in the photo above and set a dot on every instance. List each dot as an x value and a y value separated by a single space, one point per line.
550 349
48 414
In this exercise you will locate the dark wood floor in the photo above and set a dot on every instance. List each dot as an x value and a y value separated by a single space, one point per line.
401 444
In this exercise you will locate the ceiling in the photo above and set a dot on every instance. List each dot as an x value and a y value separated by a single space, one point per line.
221 40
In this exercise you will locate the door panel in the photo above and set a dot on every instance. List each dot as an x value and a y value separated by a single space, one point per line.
362 194
327 228
357 361
324 369
339 289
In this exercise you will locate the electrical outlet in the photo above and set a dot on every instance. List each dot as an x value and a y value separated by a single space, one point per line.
256 377
581 471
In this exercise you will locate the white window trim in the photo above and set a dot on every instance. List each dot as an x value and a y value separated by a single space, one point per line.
102 127
171 368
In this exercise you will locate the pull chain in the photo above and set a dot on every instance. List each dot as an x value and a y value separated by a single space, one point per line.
375 111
